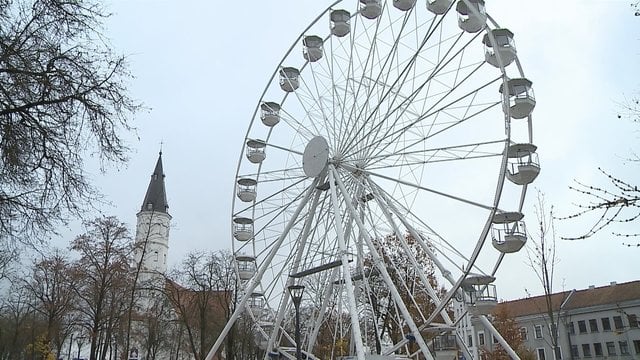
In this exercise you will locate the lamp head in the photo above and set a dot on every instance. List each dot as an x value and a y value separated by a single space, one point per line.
296 293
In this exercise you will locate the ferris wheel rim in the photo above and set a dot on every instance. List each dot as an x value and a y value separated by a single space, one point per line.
501 176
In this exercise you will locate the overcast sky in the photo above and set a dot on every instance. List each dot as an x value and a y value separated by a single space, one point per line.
200 66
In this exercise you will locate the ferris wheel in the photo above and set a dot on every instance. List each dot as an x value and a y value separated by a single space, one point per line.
384 169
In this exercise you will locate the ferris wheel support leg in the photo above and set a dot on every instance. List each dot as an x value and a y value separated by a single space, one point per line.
489 326
294 269
346 273
253 283
381 267
430 290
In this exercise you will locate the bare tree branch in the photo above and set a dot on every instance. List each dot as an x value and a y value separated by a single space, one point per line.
62 97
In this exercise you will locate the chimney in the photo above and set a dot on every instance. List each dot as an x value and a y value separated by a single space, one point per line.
613 283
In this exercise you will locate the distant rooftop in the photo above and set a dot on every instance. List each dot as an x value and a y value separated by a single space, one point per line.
593 296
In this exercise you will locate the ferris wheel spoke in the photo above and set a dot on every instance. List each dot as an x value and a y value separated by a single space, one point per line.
409 156
365 67
402 75
403 213
394 132
382 145
419 187
437 69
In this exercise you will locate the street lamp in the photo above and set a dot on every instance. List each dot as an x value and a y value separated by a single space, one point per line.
80 341
296 295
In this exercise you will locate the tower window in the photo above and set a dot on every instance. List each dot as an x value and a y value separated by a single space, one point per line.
156 256
149 206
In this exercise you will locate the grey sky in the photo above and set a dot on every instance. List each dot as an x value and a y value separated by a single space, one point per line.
202 65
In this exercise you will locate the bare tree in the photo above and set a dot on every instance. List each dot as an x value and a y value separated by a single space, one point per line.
202 292
49 286
19 327
617 203
383 310
9 253
541 251
102 280
62 96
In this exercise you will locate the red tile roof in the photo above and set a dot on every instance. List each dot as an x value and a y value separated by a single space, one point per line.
609 294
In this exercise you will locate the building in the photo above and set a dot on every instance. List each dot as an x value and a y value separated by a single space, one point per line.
152 229
598 322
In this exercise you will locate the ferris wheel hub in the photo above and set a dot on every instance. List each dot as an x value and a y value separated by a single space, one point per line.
315 157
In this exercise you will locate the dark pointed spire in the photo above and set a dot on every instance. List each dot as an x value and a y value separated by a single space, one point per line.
156 197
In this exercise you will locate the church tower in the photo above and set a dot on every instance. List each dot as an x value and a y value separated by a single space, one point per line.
152 230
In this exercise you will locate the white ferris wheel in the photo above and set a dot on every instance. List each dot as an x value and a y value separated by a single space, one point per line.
385 169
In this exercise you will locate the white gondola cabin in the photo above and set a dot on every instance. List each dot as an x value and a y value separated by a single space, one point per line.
404 5
340 22
255 304
370 9
246 266
471 18
521 98
505 47
270 113
255 151
482 299
508 232
472 280
438 7
524 166
312 48
445 346
289 79
246 189
242 228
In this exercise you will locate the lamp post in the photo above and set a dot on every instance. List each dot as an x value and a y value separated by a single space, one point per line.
80 341
296 295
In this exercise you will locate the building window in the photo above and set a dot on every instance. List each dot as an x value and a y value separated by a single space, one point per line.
155 256
480 338
558 353
538 330
617 322
572 329
582 327
574 351
633 320
636 346
470 338
523 333
586 350
541 354
597 349
624 347
606 324
593 325
165 259
611 348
